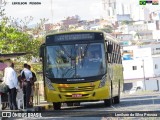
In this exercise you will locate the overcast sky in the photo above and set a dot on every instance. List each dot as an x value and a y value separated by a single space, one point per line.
86 9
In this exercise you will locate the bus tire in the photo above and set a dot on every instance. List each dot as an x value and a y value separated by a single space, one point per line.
57 106
116 99
108 102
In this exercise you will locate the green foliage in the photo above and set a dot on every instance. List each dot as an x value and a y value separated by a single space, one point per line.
14 37
125 22
13 40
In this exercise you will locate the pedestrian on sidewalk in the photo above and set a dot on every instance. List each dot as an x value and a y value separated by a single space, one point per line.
10 79
26 77
34 79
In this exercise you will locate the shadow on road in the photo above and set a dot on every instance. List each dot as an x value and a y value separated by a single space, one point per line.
97 109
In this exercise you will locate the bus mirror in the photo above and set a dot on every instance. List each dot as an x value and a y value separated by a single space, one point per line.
41 51
110 48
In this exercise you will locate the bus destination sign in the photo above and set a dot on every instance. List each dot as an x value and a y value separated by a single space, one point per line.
73 37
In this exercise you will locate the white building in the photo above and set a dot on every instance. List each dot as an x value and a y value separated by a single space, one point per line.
142 62
112 8
124 37
156 34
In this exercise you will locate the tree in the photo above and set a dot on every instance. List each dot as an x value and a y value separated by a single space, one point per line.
126 22
14 36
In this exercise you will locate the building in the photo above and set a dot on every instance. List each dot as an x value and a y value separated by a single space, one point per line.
125 17
48 27
141 62
70 21
125 39
112 8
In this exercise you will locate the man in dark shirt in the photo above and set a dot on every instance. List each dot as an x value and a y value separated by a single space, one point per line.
34 79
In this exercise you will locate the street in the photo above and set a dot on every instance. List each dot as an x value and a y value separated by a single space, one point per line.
129 103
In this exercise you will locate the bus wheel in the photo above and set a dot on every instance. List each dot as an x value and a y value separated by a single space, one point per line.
116 99
57 106
108 102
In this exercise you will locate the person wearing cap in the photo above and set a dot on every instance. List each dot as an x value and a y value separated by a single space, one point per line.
10 79
26 76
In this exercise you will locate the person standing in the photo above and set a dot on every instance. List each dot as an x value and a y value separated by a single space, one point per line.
10 79
26 77
34 79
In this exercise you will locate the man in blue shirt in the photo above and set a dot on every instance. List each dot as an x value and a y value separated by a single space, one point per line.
26 76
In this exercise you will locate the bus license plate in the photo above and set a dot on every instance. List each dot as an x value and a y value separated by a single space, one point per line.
76 95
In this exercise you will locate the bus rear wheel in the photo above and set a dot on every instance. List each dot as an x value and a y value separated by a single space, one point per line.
57 106
108 102
116 99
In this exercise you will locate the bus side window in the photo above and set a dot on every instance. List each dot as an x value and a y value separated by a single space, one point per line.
109 52
116 61
109 48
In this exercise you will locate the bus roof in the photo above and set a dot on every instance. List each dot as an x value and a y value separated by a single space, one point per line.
78 31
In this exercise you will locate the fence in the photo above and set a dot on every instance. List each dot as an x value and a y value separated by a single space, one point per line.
38 92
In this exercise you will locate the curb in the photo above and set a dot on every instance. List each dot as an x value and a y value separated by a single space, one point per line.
43 108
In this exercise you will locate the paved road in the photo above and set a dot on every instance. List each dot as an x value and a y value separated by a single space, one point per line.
97 111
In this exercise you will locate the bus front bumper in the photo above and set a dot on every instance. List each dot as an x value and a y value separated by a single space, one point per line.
95 95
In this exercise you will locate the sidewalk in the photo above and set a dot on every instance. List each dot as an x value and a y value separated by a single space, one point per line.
41 107
44 105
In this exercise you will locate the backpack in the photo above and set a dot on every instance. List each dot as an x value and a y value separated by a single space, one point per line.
23 77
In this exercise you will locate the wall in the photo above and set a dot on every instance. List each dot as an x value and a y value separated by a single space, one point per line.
151 85
156 60
129 73
156 34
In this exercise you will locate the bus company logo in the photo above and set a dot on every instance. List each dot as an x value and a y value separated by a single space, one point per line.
6 114
75 79
76 88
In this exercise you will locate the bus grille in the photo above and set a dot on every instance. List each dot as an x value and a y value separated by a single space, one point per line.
76 89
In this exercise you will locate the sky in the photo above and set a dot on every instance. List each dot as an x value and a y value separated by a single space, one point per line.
86 9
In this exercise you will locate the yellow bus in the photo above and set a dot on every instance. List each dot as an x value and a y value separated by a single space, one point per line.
81 66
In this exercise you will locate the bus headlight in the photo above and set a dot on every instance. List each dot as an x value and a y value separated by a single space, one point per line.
49 84
103 81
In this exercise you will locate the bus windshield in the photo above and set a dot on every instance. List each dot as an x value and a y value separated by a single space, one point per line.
75 60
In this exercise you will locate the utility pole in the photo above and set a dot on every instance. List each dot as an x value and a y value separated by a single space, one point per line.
52 11
144 77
